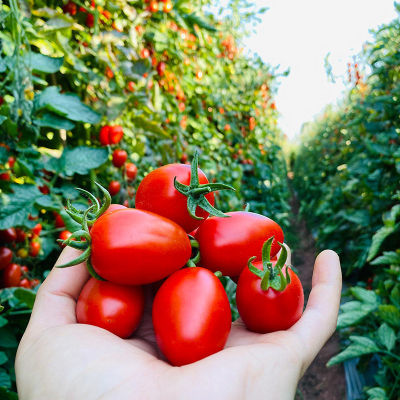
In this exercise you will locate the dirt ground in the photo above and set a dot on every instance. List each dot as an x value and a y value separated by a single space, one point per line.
319 382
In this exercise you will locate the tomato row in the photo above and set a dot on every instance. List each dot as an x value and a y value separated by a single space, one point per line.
127 249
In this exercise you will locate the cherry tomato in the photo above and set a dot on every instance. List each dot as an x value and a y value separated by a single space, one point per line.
64 235
5 257
131 86
135 247
58 221
191 316
119 157
157 193
25 283
24 269
153 7
168 6
22 253
34 249
21 235
5 176
37 229
104 136
270 310
44 189
113 307
10 276
226 244
11 161
116 134
144 53
35 282
114 187
8 235
70 8
90 20
161 68
131 171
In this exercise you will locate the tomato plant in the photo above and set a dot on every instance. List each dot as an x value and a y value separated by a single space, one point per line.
185 336
113 307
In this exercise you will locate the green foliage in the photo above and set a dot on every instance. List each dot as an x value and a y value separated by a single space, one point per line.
347 174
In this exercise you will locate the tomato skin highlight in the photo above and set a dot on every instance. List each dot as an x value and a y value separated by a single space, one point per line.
270 310
134 247
157 193
226 244
191 316
113 307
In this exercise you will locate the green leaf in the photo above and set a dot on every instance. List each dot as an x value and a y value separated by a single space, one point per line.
388 258
5 380
193 19
41 63
3 357
7 395
148 125
386 336
47 202
376 393
7 338
18 205
66 105
25 296
360 345
353 317
51 120
3 321
2 119
378 239
364 295
390 314
81 160
3 155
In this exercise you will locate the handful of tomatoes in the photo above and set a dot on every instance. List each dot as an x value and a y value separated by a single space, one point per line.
126 249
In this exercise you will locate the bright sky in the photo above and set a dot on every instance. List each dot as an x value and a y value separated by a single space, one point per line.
299 34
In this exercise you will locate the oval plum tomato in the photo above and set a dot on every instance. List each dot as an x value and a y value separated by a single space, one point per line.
226 244
135 247
157 193
5 257
8 235
25 283
131 171
113 307
10 276
37 229
119 157
34 249
114 187
268 298
191 316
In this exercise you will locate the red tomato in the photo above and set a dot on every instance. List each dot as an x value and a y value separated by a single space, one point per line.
35 282
11 161
25 283
161 68
90 20
24 269
191 316
114 187
5 176
70 8
64 235
113 307
21 235
37 229
116 134
131 86
5 257
34 249
270 310
44 189
157 193
8 235
10 276
145 53
58 221
119 157
153 7
135 247
226 244
131 171
168 6
104 136
112 208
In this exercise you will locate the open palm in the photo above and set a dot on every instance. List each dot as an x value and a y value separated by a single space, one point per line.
60 359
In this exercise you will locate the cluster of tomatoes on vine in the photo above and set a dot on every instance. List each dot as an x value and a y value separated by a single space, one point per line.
17 244
176 242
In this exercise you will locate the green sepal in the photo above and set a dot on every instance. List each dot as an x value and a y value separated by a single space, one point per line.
92 272
82 258
195 192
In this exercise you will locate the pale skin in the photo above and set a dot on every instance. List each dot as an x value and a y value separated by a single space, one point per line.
60 359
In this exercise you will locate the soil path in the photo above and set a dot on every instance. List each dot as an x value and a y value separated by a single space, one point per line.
319 382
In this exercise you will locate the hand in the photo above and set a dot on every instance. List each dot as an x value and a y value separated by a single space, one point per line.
60 359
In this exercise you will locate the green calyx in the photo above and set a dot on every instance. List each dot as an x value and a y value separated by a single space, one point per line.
271 277
195 192
81 239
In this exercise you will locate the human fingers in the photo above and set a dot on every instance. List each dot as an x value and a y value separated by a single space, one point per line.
320 316
56 298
